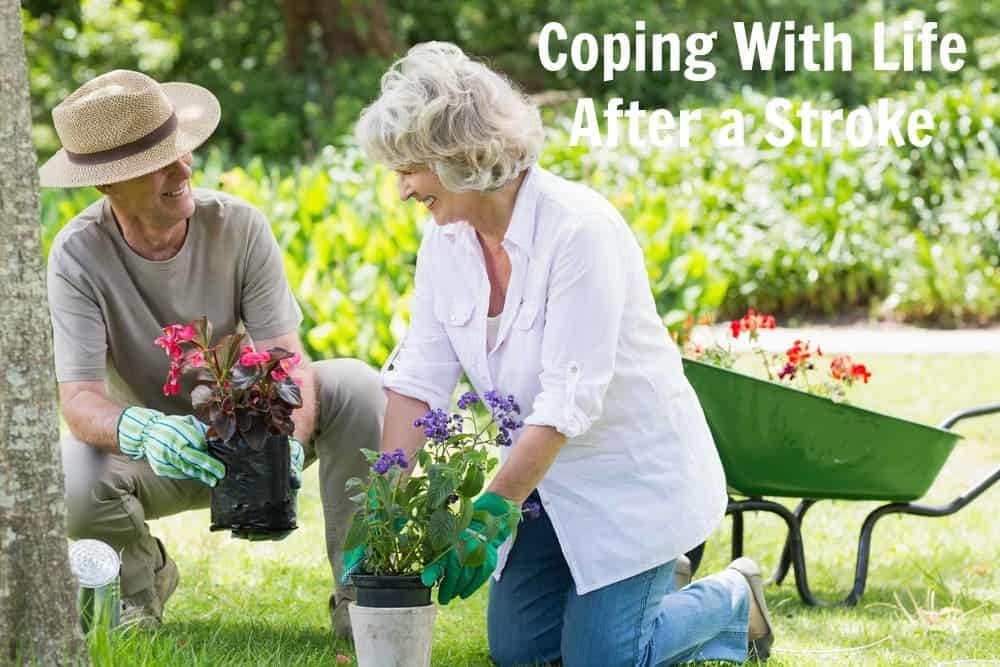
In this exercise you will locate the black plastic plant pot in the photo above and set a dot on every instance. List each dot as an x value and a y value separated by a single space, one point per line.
391 591
256 499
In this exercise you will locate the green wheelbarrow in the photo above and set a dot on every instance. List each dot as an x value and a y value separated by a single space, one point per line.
775 440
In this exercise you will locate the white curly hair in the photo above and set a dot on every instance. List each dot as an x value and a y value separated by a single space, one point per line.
466 123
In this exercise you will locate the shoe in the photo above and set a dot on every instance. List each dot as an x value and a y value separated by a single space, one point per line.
145 609
165 581
682 572
340 618
140 611
760 632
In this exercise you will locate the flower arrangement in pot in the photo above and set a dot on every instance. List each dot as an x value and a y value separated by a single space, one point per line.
417 518
244 400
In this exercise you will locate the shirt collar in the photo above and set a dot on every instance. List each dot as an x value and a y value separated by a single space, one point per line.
521 231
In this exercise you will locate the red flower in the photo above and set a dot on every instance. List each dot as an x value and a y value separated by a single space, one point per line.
173 384
248 357
751 322
279 375
860 372
173 336
196 359
289 364
840 367
799 353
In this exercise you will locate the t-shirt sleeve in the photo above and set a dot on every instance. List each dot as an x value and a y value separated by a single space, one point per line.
267 305
78 328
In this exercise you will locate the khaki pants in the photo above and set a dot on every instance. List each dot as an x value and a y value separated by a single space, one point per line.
110 497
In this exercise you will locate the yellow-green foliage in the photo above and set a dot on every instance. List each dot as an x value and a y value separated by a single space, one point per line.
911 233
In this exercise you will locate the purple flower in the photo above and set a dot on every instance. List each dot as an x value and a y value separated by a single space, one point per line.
387 460
788 371
467 399
438 426
400 458
505 413
382 464
531 509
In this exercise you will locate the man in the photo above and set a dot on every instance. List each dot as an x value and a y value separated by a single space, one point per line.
150 253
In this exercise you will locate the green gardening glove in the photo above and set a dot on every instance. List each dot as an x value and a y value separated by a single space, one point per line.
464 580
297 458
174 445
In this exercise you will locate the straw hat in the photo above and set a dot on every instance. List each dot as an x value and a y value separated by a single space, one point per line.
124 124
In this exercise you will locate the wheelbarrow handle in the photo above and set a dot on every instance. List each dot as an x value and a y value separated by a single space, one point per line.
978 411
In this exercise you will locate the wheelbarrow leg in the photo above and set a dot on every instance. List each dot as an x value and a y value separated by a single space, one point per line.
794 541
864 543
737 541
786 553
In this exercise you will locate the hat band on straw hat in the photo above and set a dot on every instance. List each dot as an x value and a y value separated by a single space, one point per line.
129 149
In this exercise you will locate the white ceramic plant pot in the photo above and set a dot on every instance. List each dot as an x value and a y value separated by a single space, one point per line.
393 636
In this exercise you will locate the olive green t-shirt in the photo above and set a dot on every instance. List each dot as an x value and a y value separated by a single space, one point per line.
108 303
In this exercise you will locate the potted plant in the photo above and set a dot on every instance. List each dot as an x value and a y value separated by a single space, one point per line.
245 399
410 517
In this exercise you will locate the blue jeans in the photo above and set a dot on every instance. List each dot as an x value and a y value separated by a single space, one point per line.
536 617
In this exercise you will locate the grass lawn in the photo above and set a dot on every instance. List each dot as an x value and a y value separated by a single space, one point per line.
933 594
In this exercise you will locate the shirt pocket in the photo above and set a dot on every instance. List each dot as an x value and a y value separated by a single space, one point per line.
527 315
454 312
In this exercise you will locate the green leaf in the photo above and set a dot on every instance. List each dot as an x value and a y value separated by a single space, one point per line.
441 485
442 528
464 515
473 483
357 534
202 331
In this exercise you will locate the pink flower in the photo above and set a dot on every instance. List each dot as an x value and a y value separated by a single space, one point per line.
343 659
196 359
173 336
248 357
172 386
185 333
279 375
290 363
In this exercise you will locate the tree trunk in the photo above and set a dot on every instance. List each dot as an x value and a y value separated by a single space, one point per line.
348 28
38 619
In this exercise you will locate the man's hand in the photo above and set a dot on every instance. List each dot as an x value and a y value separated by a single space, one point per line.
174 446
464 580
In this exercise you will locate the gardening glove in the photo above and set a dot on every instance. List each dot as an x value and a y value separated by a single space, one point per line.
464 580
297 458
174 445
353 560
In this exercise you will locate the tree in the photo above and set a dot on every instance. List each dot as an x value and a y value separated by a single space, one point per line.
38 619
347 28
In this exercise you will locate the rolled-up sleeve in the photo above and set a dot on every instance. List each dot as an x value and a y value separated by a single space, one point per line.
583 314
424 365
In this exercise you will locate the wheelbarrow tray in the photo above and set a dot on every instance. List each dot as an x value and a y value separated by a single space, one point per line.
776 440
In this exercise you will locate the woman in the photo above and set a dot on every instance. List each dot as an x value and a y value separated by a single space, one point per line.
535 287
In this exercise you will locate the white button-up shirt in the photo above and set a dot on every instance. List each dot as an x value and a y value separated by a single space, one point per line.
581 348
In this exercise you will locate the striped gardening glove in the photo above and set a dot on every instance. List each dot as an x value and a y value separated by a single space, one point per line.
174 445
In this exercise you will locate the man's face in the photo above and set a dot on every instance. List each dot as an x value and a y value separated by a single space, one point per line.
162 198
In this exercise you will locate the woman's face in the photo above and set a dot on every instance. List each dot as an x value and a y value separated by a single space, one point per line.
423 185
